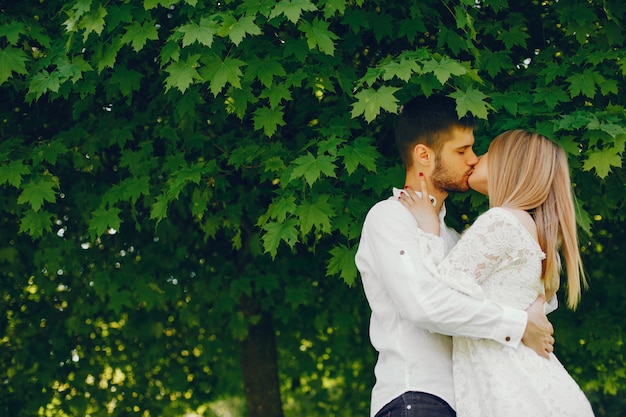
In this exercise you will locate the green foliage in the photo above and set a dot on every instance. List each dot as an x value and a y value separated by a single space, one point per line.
163 160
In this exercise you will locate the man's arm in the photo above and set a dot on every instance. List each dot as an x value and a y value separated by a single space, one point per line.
390 253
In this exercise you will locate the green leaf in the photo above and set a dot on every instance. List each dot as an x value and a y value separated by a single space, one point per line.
44 82
138 34
202 33
106 55
276 232
312 168
73 70
268 119
444 69
127 80
12 31
238 29
182 73
13 172
132 188
158 210
220 73
370 102
602 161
315 214
279 209
318 36
582 84
292 9
360 152
472 101
342 263
495 62
38 190
265 70
276 95
516 35
403 70
93 22
35 222
102 220
12 60
151 4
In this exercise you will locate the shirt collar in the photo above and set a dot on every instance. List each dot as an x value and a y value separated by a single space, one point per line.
442 212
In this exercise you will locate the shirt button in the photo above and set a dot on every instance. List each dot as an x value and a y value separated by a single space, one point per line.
402 252
508 338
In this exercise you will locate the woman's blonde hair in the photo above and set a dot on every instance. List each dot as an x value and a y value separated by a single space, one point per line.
530 172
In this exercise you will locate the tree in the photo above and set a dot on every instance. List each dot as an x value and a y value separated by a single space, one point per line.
184 184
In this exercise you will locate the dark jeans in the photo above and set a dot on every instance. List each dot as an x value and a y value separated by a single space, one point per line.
417 404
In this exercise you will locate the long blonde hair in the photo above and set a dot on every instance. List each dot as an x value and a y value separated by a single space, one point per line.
530 172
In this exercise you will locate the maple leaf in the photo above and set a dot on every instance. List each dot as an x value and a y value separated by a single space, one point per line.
182 73
516 35
279 209
276 232
316 213
35 222
276 95
312 168
107 55
292 9
370 102
73 70
38 190
265 70
342 263
158 210
238 29
360 152
93 22
138 34
444 69
403 69
12 31
582 84
221 73
104 219
127 80
472 101
318 35
602 161
268 119
12 60
202 33
13 172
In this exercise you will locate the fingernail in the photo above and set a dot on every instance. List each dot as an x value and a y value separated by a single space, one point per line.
421 174
406 186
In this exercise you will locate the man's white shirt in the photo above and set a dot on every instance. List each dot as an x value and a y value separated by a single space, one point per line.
413 313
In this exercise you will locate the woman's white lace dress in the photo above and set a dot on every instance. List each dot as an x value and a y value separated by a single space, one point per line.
498 259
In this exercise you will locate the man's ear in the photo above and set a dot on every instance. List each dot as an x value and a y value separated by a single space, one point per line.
423 155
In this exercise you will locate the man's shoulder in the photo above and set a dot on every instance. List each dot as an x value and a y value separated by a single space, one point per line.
386 208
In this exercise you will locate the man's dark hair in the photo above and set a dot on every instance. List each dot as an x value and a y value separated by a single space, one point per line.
427 120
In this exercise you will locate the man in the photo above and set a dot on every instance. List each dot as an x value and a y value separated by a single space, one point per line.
413 313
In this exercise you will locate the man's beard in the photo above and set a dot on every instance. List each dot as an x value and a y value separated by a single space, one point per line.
443 180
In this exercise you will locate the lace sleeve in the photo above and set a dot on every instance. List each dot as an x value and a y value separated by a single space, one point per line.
478 252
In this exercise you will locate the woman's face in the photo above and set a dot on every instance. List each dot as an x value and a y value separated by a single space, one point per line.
478 180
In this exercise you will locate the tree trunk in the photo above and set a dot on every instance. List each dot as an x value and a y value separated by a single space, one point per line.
259 364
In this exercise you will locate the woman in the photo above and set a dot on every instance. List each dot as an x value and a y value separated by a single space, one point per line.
510 255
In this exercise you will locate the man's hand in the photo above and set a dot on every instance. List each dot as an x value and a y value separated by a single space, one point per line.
539 331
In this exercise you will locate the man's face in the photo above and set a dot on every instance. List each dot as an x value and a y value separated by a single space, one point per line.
454 164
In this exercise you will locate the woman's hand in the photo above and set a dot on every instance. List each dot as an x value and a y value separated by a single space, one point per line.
421 207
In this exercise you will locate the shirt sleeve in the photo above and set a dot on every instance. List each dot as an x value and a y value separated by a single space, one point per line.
394 255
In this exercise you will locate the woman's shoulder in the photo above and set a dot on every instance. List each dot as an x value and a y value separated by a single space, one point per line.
523 218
